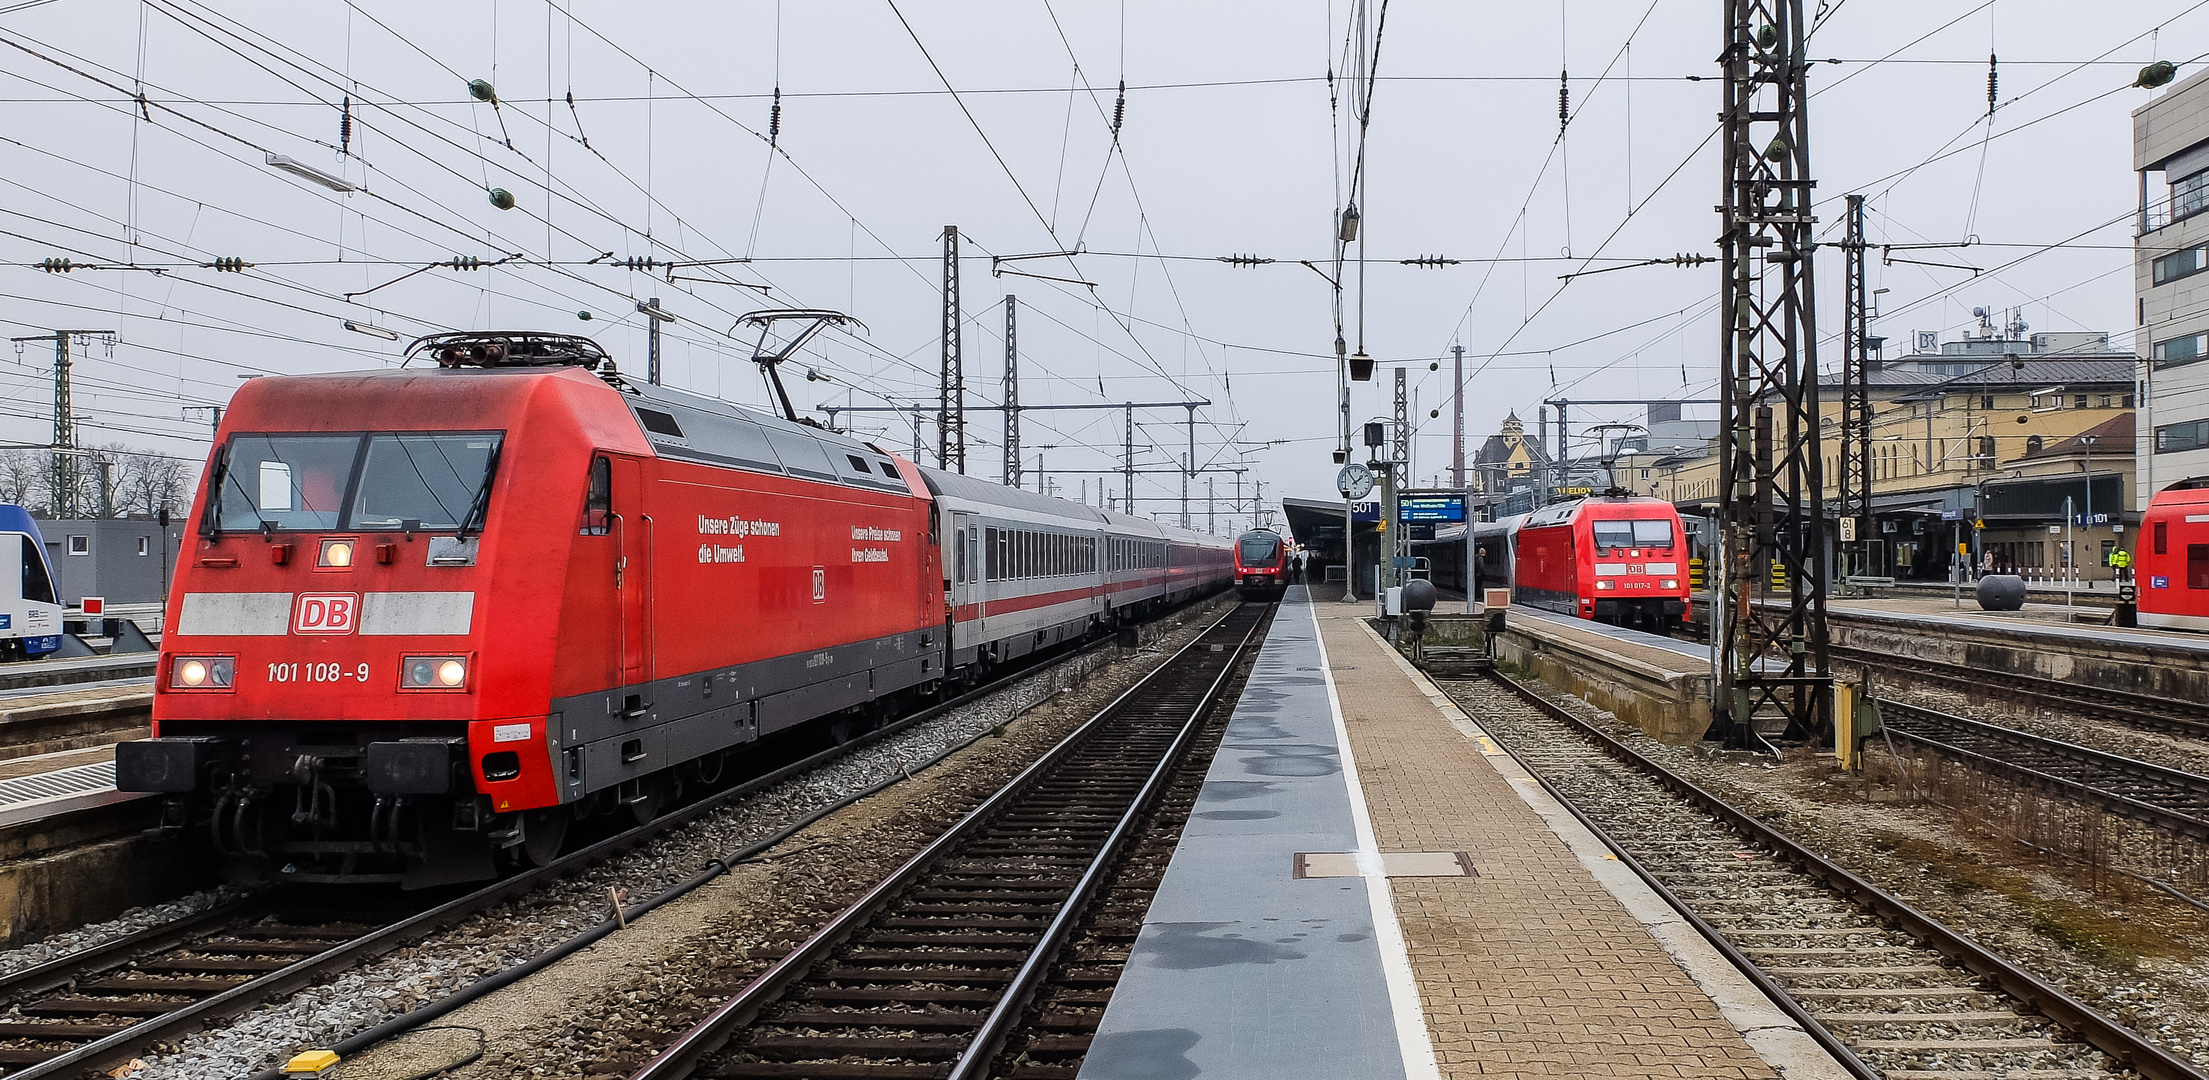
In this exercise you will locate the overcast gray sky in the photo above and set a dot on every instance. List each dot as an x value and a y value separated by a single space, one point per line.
1229 146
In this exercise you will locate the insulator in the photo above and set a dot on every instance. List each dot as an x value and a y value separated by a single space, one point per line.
635 263
466 262
345 127
774 120
229 264
1119 108
481 91
1564 102
56 266
1992 82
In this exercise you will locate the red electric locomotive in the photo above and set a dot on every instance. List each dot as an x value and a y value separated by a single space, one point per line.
2171 569
1261 565
432 616
1615 559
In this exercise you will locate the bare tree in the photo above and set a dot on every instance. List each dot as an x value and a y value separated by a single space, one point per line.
23 477
148 482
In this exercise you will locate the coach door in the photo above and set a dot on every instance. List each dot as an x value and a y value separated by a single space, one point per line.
966 564
633 581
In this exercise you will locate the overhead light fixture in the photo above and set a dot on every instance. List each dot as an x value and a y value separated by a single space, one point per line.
305 171
652 308
371 331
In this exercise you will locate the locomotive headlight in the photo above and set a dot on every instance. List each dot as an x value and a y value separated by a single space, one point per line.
433 673
1672 583
202 672
1603 586
336 553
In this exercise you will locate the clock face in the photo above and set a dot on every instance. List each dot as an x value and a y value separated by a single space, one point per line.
1354 481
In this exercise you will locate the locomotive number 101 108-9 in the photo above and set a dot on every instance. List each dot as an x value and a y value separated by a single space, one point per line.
321 673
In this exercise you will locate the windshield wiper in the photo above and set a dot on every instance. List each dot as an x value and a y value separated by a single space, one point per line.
481 506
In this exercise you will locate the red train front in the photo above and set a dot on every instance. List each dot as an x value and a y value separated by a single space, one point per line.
1616 559
430 614
2171 567
1261 565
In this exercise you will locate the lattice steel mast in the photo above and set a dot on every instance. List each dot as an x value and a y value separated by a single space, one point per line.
1855 488
951 394
1012 390
1772 664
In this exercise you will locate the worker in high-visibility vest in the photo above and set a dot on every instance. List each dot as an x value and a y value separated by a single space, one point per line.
2120 561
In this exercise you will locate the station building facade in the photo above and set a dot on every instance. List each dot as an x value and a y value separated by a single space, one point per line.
2170 151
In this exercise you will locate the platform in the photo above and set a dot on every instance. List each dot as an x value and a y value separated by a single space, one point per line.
1369 887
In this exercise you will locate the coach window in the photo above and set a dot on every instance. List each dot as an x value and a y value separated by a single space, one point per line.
598 498
989 551
958 561
2197 566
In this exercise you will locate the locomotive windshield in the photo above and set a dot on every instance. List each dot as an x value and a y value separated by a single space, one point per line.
424 481
1259 549
1614 534
1652 532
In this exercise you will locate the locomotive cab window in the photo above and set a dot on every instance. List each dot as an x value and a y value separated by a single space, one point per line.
1616 534
37 587
1652 532
426 481
598 498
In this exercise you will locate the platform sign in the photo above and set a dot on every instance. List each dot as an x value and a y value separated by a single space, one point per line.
2090 519
1430 508
2158 581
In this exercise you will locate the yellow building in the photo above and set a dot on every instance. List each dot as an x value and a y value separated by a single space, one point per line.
1963 431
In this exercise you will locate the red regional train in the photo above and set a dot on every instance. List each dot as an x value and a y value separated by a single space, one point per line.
432 616
1261 565
1613 558
2171 568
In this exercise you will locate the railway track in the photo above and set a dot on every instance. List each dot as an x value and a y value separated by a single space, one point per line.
2166 798
98 1007
2145 711
1888 990
930 972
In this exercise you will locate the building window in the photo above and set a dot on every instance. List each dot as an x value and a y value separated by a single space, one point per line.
2035 402
2189 435
2179 264
2189 195
2106 399
2079 401
1986 401
145 545
2128 401
80 545
2183 350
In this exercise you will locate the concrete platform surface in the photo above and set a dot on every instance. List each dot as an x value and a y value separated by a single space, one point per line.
1370 887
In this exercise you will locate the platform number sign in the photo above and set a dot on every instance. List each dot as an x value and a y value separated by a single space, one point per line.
820 584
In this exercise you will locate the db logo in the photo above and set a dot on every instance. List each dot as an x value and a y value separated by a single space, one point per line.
325 613
820 585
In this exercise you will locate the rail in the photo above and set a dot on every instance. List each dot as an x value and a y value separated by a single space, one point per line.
2127 1047
1009 855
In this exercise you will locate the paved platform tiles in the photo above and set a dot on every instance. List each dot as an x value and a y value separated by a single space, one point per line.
1550 961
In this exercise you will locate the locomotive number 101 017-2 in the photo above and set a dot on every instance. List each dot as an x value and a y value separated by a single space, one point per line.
323 673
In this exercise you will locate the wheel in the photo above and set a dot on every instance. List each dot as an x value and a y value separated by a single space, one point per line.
544 832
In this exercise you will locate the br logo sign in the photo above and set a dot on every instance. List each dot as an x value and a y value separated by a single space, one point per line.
325 613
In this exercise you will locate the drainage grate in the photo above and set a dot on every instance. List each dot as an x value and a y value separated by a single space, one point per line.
74 780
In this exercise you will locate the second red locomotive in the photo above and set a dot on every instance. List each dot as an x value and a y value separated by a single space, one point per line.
1612 558
433 616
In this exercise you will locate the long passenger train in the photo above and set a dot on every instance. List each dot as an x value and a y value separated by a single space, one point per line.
432 616
1613 558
